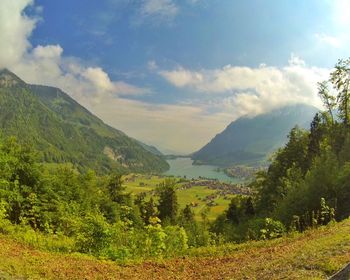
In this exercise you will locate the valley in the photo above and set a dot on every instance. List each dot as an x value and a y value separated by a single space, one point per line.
205 196
174 140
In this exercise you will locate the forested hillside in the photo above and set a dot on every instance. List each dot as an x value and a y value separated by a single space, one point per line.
251 140
61 130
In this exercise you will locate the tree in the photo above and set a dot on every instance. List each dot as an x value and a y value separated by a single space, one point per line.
340 78
187 214
117 191
315 137
249 207
232 213
150 211
167 205
272 185
328 100
20 177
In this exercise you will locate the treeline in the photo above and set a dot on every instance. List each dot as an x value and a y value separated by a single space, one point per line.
308 181
59 208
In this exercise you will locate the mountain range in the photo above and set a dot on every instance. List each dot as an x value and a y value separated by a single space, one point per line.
250 140
62 130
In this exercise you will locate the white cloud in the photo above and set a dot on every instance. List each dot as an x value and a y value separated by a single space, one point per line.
254 90
182 77
46 64
15 28
152 65
163 10
329 40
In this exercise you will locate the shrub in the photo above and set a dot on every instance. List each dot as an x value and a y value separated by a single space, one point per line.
175 240
155 240
94 235
261 229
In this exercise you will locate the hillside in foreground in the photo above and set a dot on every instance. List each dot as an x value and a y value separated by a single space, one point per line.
315 254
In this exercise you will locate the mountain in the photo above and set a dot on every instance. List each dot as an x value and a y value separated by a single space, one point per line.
64 131
151 149
252 140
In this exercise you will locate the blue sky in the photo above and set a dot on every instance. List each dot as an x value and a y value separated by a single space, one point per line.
175 73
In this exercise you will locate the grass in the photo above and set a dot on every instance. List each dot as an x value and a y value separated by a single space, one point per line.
315 254
193 196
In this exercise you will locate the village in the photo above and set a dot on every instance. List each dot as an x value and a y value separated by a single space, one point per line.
148 184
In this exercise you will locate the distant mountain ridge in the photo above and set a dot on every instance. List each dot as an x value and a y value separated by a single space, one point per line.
64 131
252 140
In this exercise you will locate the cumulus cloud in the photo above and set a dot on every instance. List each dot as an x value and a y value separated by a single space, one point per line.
15 28
254 90
46 64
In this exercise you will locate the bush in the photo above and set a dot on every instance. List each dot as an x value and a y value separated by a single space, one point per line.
175 240
262 229
155 240
94 236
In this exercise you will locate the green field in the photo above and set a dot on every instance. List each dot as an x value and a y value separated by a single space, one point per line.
137 183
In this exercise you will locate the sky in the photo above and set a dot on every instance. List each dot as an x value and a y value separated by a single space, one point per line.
174 73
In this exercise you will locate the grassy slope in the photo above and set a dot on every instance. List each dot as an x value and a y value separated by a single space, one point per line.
315 254
188 196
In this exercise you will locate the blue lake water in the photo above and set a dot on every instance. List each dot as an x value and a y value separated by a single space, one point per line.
183 167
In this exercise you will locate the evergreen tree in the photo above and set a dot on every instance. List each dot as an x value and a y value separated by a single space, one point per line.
117 191
315 138
232 213
249 207
168 205
187 214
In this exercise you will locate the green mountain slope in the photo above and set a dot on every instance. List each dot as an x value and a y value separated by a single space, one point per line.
64 131
251 140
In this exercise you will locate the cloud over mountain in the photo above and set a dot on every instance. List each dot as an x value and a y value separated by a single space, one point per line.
254 90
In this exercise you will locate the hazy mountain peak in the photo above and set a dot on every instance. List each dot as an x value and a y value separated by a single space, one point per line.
9 79
251 140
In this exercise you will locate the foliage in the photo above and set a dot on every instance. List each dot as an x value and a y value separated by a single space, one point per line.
167 205
261 229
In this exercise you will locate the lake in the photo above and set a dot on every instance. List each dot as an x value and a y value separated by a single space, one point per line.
183 167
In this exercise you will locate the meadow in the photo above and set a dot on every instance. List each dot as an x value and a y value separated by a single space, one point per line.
194 196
